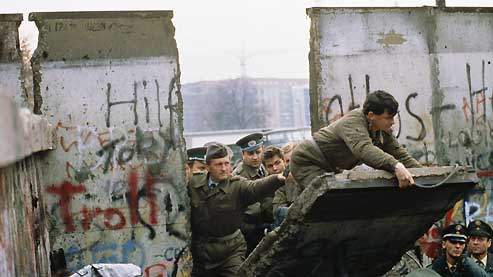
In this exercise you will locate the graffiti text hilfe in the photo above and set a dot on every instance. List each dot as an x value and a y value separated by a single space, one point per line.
114 218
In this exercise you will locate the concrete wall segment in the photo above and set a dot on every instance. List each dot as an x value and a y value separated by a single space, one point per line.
24 244
23 133
116 190
436 62
10 58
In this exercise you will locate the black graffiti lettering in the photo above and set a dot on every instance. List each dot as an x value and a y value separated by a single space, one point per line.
125 154
108 150
172 109
399 119
332 100
352 106
110 104
471 95
146 102
464 138
367 82
422 133
158 104
450 144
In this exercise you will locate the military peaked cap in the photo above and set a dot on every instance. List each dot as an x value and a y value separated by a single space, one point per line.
455 233
251 142
216 151
479 228
196 154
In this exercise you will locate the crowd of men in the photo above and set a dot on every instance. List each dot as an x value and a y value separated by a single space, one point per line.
465 252
232 208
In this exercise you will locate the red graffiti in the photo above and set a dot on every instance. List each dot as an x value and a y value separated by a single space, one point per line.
114 218
66 190
152 198
156 270
466 108
485 173
133 201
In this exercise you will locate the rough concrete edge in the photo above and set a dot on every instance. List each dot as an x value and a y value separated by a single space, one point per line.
32 134
436 93
259 261
182 144
11 17
36 60
355 175
34 16
315 67
446 9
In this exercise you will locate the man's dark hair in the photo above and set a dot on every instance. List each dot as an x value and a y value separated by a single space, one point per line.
380 101
272 151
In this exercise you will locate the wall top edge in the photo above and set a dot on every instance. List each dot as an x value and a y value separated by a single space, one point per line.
326 10
101 14
11 17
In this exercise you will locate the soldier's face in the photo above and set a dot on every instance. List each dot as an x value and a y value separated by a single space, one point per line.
220 169
478 245
287 157
274 165
453 248
381 121
253 158
198 167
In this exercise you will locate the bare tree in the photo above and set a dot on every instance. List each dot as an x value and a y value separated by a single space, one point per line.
235 104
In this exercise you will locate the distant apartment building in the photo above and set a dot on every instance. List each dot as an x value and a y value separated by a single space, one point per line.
246 103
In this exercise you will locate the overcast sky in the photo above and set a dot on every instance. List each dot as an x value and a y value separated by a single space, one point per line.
273 35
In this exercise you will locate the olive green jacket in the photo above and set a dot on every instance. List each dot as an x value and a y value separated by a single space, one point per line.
286 195
260 212
219 211
349 142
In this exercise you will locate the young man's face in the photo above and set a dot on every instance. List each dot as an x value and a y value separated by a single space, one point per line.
198 167
478 246
219 169
287 157
382 122
453 249
275 165
253 158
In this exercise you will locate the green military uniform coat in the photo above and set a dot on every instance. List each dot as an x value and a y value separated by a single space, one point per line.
260 211
285 195
345 144
217 245
467 269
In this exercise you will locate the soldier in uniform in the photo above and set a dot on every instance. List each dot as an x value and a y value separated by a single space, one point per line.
218 201
273 161
361 136
480 233
454 262
287 151
196 159
258 216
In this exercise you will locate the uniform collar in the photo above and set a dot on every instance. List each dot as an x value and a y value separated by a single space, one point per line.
253 171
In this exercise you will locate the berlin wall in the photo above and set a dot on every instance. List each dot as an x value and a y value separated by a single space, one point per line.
109 83
24 243
10 59
437 64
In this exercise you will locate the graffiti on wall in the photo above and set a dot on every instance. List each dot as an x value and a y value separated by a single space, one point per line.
123 188
466 132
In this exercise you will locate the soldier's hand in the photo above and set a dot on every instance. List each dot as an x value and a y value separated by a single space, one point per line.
404 176
281 177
